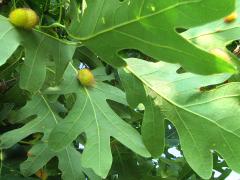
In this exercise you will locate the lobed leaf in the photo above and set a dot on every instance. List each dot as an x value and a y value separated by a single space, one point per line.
44 121
216 34
206 121
150 26
40 49
92 115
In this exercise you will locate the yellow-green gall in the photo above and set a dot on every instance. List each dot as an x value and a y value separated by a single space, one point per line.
86 77
24 17
18 17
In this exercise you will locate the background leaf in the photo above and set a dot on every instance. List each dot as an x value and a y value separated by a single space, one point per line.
201 120
40 48
45 120
216 34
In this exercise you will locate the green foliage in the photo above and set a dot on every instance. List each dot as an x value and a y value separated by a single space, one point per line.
137 112
40 154
216 34
150 26
192 111
97 120
40 50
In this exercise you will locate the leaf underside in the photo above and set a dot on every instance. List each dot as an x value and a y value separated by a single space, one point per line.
92 115
40 153
40 49
205 120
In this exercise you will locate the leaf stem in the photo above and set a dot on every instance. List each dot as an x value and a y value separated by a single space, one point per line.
25 142
54 25
1 163
14 4
60 12
43 11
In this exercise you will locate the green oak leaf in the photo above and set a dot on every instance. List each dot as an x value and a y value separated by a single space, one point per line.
69 162
92 115
153 124
206 121
150 26
216 34
40 48
44 119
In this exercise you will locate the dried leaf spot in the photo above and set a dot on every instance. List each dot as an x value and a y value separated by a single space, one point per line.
231 17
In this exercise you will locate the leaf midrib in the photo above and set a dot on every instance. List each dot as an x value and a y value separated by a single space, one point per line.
70 162
136 20
98 128
175 104
56 122
33 62
211 33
